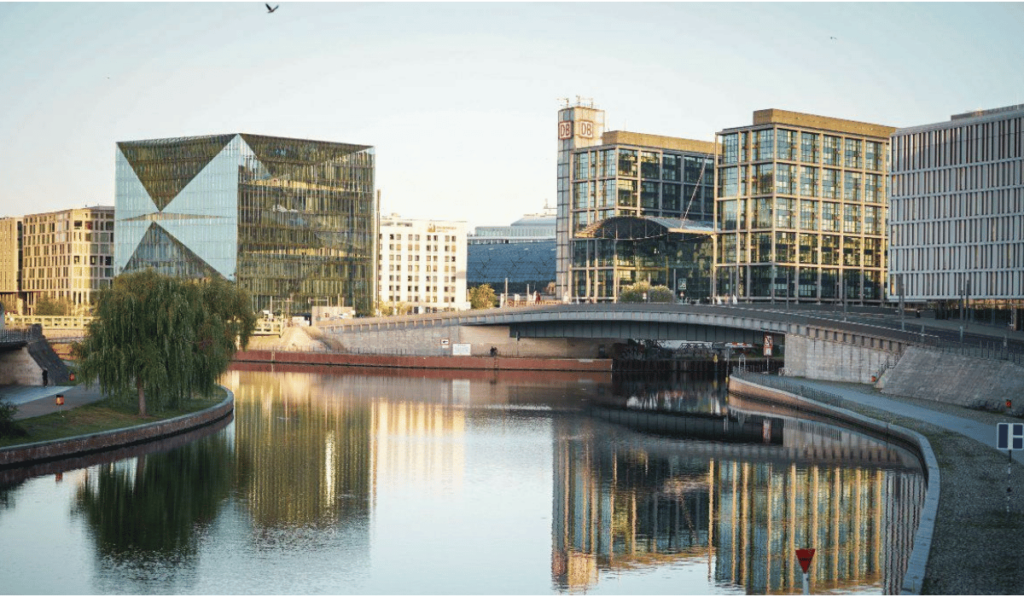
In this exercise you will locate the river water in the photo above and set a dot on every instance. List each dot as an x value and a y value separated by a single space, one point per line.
346 481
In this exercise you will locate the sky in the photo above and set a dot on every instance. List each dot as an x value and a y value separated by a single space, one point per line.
460 100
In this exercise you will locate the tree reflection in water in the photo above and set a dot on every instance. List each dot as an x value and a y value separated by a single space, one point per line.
154 507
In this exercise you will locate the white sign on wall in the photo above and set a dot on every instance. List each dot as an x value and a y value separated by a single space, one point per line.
461 350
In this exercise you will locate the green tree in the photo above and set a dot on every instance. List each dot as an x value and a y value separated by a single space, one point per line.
162 339
482 297
655 294
50 306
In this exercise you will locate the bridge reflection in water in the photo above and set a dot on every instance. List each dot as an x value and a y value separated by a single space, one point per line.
739 491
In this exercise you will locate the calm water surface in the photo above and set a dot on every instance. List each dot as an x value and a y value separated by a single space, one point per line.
340 481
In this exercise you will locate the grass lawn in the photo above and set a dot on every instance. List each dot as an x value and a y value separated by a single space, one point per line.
104 415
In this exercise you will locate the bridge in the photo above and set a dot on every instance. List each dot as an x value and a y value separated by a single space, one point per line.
857 345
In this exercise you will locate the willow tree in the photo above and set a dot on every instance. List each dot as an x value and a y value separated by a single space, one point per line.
161 340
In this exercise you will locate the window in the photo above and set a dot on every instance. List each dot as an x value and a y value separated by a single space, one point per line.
670 167
764 145
808 215
808 180
830 151
785 144
784 213
727 186
809 148
627 162
764 179
853 153
649 165
730 148
851 187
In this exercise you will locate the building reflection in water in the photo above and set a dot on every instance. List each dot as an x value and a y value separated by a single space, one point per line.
740 510
318 448
316 445
304 452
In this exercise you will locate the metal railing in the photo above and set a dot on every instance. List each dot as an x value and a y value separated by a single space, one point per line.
786 385
19 334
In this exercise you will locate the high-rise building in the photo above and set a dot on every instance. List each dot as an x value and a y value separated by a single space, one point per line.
956 214
10 264
67 255
632 208
801 209
292 221
422 265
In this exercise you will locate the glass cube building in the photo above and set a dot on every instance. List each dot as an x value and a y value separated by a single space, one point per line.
801 209
290 220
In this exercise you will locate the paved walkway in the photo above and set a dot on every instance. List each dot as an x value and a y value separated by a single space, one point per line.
35 401
982 432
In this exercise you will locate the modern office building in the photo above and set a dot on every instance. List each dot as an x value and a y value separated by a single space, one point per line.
521 255
10 264
422 265
632 208
801 209
67 255
292 221
956 214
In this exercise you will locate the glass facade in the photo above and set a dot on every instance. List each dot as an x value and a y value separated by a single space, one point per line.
624 250
644 213
288 219
816 200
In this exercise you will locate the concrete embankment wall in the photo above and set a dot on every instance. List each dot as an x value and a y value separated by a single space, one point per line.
814 358
25 365
421 362
108 440
430 340
954 379
17 367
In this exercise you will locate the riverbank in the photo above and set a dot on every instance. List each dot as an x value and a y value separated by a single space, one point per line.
98 427
975 544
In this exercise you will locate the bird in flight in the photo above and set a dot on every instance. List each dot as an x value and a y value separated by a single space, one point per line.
270 10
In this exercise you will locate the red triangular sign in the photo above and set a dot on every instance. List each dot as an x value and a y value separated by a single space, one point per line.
805 556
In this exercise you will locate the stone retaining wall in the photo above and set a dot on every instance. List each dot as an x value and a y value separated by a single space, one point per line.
954 379
826 360
106 440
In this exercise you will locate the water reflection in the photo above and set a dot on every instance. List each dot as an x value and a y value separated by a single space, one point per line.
381 482
154 508
671 392
740 508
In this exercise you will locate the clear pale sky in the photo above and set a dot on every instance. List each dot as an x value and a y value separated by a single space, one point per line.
460 100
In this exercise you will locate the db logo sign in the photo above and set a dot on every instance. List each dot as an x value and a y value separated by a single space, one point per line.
565 129
584 128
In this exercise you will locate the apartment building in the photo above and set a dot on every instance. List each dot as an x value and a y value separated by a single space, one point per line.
421 265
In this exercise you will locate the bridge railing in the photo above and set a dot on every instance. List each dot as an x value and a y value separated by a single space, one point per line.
77 322
10 335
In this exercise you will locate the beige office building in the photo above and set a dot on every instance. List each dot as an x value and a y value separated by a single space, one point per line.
801 209
67 255
422 265
10 264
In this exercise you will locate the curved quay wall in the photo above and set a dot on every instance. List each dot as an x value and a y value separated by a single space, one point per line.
914 576
27 454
